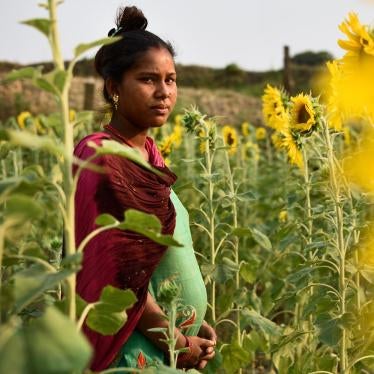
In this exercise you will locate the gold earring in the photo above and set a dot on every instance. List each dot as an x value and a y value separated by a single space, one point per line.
115 99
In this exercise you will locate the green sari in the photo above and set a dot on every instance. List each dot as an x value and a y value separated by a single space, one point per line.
139 351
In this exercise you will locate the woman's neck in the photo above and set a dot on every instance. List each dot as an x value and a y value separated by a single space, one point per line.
133 135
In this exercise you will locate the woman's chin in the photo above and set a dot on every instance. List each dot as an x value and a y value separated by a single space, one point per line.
158 122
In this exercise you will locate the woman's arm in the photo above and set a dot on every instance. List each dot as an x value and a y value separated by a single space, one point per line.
153 316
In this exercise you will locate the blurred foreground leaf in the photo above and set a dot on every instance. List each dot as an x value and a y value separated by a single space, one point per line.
50 344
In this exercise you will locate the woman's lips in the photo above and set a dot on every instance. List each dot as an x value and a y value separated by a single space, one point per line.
160 109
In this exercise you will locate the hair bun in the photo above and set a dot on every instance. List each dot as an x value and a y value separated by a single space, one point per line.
131 18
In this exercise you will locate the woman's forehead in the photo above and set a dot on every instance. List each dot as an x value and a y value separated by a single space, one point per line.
155 60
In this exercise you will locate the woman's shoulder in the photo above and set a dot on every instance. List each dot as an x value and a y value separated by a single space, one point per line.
83 148
155 157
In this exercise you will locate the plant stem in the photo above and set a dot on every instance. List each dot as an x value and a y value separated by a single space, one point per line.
234 208
209 163
335 191
308 204
171 337
309 220
69 224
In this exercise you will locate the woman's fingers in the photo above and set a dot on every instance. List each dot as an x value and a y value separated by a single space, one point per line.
201 364
205 343
209 350
208 356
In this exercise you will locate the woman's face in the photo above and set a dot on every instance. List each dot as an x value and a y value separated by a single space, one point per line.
148 91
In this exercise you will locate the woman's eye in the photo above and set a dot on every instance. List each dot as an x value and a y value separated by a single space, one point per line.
170 80
147 79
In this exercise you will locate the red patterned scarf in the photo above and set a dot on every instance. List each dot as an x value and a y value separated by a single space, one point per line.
122 259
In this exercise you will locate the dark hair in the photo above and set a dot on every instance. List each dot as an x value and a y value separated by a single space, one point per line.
112 60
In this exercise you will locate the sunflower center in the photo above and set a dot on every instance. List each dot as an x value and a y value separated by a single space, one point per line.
303 116
230 139
364 41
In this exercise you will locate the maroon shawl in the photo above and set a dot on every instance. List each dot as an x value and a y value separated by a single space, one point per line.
122 259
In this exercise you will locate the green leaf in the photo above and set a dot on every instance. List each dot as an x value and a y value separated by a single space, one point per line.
148 225
248 271
23 207
28 183
254 341
329 329
117 300
261 239
241 232
115 148
105 324
301 275
234 357
73 261
241 297
50 344
224 301
222 271
256 320
215 364
84 116
136 218
105 220
28 140
45 85
41 24
109 315
81 48
24 73
30 283
34 250
59 79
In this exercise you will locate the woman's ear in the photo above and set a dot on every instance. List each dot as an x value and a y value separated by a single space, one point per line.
111 87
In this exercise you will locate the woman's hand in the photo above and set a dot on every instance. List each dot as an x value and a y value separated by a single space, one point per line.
198 351
207 332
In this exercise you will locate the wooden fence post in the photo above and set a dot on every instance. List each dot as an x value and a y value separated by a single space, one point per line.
89 93
287 74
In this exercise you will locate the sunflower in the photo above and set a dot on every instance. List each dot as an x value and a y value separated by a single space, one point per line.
273 108
347 135
253 150
22 119
167 161
230 138
350 91
202 146
261 133
357 165
276 139
334 95
39 127
283 216
166 145
72 115
302 113
245 129
178 119
177 134
292 147
359 41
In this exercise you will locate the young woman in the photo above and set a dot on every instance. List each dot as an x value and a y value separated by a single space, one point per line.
140 84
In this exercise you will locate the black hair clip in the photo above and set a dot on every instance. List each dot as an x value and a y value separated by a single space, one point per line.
114 31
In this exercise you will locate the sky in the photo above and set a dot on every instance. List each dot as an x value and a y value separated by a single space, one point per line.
249 33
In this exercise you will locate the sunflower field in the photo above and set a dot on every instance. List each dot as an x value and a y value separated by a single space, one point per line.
281 216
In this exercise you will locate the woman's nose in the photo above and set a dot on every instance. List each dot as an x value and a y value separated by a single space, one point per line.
162 90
